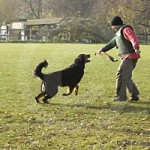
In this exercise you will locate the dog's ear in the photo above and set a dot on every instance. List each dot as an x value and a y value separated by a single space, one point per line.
79 60
80 57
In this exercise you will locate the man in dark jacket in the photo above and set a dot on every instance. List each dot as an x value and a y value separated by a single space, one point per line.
127 43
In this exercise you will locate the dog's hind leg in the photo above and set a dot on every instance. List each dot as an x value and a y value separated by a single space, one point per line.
69 91
45 99
50 93
39 96
76 89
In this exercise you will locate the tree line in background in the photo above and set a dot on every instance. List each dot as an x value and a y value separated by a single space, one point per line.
98 13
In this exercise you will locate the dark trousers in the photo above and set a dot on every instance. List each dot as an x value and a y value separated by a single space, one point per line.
124 79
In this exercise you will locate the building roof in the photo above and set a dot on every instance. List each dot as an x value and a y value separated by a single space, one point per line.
44 21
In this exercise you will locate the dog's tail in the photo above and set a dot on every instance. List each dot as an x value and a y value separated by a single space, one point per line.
37 71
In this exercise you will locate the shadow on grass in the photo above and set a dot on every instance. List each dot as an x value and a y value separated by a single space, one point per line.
80 106
128 109
146 102
121 107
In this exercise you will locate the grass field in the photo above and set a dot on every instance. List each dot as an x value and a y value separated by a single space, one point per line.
89 121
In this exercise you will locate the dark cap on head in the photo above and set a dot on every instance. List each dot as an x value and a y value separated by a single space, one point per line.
116 21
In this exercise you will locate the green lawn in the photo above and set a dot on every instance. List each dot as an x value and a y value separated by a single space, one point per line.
89 121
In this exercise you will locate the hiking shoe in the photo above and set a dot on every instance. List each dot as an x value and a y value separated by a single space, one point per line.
119 99
134 98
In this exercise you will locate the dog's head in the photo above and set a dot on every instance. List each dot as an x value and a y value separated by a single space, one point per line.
82 59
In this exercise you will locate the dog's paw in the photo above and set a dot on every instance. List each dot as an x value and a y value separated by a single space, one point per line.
65 94
37 100
45 101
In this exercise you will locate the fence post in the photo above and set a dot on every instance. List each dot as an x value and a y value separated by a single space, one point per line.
145 36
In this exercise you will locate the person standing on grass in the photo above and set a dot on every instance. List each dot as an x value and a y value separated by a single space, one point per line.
128 45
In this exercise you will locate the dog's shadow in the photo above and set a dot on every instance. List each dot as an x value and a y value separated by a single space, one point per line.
86 106
73 105
126 107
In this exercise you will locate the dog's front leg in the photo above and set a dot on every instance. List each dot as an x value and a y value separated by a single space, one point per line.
69 91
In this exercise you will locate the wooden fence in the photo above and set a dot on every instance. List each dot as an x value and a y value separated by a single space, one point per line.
12 35
22 35
144 37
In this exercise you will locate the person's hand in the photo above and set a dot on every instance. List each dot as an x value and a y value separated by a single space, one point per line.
98 52
137 51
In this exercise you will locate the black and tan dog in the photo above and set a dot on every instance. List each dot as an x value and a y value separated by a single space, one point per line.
70 77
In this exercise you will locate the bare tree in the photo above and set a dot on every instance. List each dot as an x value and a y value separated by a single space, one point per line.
136 15
8 10
143 11
36 8
72 8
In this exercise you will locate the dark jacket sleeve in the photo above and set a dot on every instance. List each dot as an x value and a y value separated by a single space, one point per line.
111 44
